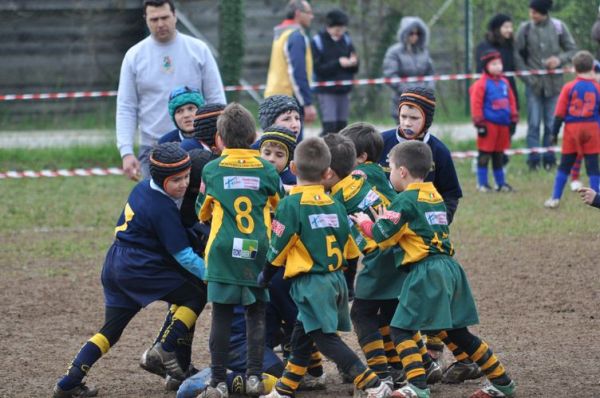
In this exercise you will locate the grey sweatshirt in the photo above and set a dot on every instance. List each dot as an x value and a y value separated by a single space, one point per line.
150 71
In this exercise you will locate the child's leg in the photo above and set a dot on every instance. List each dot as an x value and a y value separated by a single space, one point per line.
116 319
463 368
366 326
576 169
591 166
315 366
386 313
497 169
220 330
482 165
480 353
562 174
411 358
297 364
255 335
332 346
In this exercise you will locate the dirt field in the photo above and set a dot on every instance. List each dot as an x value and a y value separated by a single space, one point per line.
539 310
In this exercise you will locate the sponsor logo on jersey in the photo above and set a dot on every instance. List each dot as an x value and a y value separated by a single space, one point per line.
241 182
323 221
369 200
359 173
391 215
436 217
277 228
244 248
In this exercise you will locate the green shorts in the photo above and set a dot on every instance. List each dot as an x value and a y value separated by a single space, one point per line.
322 301
225 293
435 296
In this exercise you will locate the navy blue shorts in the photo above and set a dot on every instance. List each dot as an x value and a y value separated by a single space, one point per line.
133 278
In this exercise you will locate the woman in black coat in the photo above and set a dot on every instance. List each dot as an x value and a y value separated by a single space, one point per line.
499 37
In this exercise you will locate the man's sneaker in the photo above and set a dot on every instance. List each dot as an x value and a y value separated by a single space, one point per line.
484 188
434 373
220 391
275 394
80 391
461 371
410 391
157 358
381 391
490 390
552 203
152 366
312 383
254 386
576 185
504 188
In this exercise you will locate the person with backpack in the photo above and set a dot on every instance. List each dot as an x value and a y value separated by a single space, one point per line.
334 59
542 43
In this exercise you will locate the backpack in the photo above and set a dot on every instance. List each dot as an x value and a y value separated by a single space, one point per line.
558 27
319 42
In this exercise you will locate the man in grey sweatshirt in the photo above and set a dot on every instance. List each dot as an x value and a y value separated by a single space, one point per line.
151 69
542 43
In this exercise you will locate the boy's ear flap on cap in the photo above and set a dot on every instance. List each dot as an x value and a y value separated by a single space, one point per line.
167 160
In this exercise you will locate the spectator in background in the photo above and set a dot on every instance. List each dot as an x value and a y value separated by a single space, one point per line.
596 34
542 43
499 37
151 69
291 65
408 57
334 59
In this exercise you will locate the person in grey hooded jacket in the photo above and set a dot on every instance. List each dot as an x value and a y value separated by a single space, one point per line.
408 57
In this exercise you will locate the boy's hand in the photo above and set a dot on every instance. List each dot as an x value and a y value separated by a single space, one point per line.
360 217
512 128
587 195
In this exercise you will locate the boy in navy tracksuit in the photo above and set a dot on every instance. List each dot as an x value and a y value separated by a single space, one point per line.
422 101
183 103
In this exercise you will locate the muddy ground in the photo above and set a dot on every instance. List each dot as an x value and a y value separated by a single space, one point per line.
538 300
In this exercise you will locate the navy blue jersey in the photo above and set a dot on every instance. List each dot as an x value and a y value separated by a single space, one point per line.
286 175
171 136
151 221
190 143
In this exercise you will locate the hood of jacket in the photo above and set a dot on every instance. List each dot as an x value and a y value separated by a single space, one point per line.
407 24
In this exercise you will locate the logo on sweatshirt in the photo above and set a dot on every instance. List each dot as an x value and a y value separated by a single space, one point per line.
167 64
323 221
369 200
277 228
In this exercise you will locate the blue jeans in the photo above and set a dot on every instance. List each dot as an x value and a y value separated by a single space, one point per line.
540 108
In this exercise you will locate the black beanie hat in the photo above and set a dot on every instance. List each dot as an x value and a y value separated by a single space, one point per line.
336 17
273 106
541 6
423 99
205 123
487 56
281 136
497 21
166 161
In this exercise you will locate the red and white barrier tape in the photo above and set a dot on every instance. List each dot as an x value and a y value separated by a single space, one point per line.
117 171
355 82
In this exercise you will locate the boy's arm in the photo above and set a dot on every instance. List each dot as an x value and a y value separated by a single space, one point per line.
477 96
284 228
514 111
191 262
560 111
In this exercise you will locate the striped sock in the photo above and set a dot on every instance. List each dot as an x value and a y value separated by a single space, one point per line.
576 169
425 357
91 351
315 366
291 378
366 379
373 348
481 353
412 362
459 354
393 359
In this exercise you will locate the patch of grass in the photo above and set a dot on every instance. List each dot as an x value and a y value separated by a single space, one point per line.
19 159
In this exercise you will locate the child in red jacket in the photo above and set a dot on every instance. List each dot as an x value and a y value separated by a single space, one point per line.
494 113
